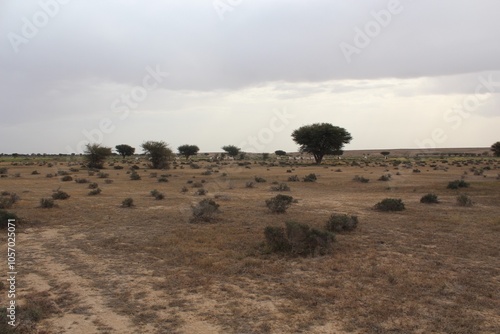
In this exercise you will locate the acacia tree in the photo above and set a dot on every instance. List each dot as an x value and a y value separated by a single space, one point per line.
385 154
95 155
125 150
321 139
158 153
232 150
280 153
188 150
496 149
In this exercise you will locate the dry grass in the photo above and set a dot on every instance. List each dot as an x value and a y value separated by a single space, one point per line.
147 270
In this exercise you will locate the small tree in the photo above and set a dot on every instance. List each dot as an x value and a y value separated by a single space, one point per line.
385 154
125 150
188 150
280 153
321 139
232 150
496 149
95 155
158 153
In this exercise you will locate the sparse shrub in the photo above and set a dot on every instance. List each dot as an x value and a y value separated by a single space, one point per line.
458 184
416 170
429 199
162 179
8 200
35 172
108 181
201 192
280 203
184 189
197 185
249 184
49 175
4 218
464 200
102 175
59 194
385 177
207 172
91 173
293 178
205 211
298 239
62 173
259 179
95 191
310 178
390 204
79 180
153 175
276 239
128 202
194 166
135 176
66 178
47 203
281 187
118 167
361 179
93 185
74 170
341 223
157 195
3 170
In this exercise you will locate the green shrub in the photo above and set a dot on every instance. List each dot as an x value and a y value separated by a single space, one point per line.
361 179
310 178
47 203
464 200
385 177
298 239
429 199
157 195
66 178
59 194
281 187
135 176
4 218
390 204
279 204
458 184
94 192
162 179
201 192
93 185
205 211
128 202
341 223
7 200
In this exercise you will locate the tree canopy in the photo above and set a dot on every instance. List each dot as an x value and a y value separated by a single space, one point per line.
321 139
280 153
231 150
158 152
125 150
95 155
496 149
188 150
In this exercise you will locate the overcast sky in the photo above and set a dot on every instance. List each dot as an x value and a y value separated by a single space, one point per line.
395 74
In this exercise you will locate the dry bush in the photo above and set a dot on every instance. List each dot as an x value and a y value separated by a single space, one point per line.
341 223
